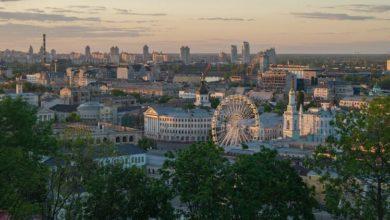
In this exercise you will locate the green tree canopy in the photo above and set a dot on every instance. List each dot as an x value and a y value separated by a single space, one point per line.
20 129
264 187
355 164
118 193
197 176
256 186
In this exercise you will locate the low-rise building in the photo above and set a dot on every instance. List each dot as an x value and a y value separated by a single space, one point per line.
45 115
63 111
100 133
356 102
128 155
271 126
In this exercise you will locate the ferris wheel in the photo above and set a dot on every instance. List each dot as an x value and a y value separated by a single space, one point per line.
235 121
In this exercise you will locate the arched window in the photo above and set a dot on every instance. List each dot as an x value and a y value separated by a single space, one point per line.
288 124
118 139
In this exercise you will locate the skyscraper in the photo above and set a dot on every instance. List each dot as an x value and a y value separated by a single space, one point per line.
185 54
264 62
87 51
246 56
233 54
145 53
271 55
114 55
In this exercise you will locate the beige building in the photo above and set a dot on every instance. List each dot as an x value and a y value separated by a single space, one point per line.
356 102
177 125
100 133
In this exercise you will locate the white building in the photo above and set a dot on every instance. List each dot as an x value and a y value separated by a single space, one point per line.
314 125
45 115
202 95
95 111
127 155
176 124
186 94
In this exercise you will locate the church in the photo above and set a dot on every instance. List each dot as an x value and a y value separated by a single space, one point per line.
314 125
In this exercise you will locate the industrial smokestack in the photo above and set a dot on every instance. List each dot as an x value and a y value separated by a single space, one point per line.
44 48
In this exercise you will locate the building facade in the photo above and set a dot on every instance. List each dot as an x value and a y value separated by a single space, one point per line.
177 125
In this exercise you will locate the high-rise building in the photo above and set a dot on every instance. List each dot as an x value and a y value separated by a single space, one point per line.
388 65
233 54
246 56
53 54
114 55
271 53
145 53
264 62
87 51
185 54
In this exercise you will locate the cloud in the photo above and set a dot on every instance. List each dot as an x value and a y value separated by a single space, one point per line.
36 10
332 16
225 19
365 8
18 30
62 10
89 7
130 12
33 16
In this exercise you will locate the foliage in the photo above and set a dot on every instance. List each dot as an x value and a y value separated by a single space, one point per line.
22 185
198 177
146 143
164 99
280 107
263 187
118 193
23 141
254 187
384 82
20 129
73 117
267 107
118 93
214 102
355 164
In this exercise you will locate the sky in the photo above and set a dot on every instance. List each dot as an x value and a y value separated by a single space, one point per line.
206 26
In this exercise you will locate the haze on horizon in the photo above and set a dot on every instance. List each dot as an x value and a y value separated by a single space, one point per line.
292 26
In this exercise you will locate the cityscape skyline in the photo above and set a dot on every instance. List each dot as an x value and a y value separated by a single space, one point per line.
299 27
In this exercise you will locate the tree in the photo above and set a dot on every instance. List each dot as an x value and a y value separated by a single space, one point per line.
118 193
22 185
214 102
264 187
20 129
118 93
73 117
355 164
23 142
146 143
197 176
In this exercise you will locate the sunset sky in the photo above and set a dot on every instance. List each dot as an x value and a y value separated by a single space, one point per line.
292 26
